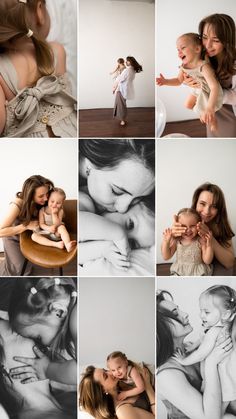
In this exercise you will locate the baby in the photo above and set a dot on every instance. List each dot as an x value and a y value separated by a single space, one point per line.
127 373
53 231
208 97
119 68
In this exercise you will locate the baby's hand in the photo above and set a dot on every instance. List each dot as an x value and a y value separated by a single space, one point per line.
202 229
160 81
55 210
123 245
208 117
112 253
178 356
208 238
167 235
122 396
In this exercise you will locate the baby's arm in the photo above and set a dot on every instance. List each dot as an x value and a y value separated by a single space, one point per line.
57 217
207 248
139 383
176 81
168 246
42 225
203 350
95 227
114 71
208 115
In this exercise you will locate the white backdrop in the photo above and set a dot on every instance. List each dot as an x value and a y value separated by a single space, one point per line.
188 302
182 166
116 314
174 18
109 30
21 158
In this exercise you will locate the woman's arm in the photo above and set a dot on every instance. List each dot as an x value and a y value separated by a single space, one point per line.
224 255
207 248
229 95
139 386
174 387
208 115
6 227
127 411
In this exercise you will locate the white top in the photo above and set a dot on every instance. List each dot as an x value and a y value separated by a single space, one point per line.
229 97
125 83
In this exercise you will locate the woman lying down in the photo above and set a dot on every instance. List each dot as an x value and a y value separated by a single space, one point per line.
24 399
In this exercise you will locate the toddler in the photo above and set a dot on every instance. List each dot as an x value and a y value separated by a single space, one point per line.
217 312
207 98
112 234
193 254
127 373
53 231
119 68
35 99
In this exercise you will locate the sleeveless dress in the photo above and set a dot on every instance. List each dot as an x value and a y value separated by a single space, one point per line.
33 109
13 263
49 222
203 93
193 376
189 261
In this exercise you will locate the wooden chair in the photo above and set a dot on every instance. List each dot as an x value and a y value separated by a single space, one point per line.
51 257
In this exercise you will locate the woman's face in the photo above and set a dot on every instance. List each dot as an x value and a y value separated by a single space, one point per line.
206 207
106 379
41 195
211 42
116 188
181 327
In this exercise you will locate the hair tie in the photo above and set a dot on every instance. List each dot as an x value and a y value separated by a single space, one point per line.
33 290
29 33
232 299
22 1
57 281
74 294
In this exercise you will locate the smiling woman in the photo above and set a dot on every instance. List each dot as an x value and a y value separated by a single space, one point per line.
116 198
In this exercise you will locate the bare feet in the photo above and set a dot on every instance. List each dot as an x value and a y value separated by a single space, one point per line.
59 245
71 245
122 123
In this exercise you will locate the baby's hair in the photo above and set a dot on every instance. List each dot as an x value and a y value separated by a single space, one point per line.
15 22
195 38
189 211
121 61
226 294
119 354
33 296
58 190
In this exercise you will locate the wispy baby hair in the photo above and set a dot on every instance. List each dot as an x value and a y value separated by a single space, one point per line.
16 19
190 211
33 296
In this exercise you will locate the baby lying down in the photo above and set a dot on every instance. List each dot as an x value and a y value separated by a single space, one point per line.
34 399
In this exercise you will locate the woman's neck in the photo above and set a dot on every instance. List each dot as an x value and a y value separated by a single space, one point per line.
179 343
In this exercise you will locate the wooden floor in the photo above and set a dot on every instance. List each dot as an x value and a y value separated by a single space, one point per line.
192 128
68 270
100 123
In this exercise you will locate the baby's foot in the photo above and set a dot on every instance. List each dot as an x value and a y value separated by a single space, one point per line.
59 245
71 245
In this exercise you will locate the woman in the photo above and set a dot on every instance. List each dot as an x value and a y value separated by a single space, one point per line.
115 173
218 37
124 89
208 200
178 386
22 215
98 397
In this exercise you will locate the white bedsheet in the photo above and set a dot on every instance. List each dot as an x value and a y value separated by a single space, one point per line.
142 264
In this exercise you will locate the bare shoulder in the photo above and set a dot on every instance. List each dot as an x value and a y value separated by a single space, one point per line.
85 202
60 55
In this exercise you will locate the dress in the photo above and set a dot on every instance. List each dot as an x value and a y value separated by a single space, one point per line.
193 376
202 94
124 91
226 116
49 222
189 261
33 109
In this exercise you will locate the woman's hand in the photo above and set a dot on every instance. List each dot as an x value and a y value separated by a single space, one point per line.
191 82
34 368
33 225
202 229
177 229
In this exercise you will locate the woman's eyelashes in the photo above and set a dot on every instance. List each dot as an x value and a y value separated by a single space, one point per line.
116 191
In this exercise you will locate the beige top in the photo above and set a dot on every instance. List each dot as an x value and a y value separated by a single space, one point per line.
48 103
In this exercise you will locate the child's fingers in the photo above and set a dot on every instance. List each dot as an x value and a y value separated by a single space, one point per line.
24 360
38 352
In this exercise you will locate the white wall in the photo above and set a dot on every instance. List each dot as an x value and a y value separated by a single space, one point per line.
182 166
109 30
188 302
21 158
116 314
173 19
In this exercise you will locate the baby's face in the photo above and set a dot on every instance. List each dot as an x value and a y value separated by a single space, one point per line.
210 312
118 367
187 50
138 223
55 200
188 221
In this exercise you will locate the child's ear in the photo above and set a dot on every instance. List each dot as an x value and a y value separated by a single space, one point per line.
227 315
59 308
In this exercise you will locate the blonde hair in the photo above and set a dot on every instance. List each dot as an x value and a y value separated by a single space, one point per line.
15 22
58 190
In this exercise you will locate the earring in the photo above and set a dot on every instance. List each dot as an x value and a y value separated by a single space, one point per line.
88 170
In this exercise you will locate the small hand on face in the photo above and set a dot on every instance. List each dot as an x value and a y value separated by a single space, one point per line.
34 368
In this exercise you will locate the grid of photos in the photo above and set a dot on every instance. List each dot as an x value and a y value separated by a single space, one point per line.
118 210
